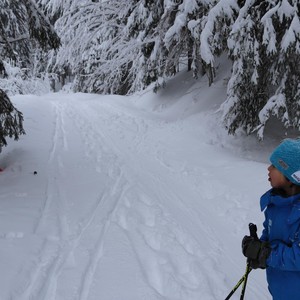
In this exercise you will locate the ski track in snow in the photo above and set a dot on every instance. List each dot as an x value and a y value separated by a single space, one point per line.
115 155
142 217
54 188
60 245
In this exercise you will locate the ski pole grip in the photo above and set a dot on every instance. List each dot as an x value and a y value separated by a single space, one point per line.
253 230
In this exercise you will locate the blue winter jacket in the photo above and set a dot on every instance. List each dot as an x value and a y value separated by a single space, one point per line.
282 230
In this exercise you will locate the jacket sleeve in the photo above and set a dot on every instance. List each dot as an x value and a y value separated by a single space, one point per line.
284 257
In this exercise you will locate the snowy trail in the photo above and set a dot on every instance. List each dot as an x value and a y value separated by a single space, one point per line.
54 190
120 208
143 216
55 211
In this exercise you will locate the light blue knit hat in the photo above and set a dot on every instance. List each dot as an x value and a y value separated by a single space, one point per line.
286 158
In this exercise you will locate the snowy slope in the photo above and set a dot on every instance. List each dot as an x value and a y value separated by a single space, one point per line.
141 197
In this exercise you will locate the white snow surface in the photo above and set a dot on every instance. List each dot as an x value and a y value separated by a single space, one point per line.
134 198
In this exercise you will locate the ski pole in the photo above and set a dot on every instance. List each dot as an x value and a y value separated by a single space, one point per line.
243 279
248 269
253 233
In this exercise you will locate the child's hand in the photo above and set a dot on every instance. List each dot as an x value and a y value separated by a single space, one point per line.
256 251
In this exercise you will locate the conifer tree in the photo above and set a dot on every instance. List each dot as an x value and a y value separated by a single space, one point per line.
127 45
11 120
116 41
22 27
214 35
39 27
120 46
264 46
185 21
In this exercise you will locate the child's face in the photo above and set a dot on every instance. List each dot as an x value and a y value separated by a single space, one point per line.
277 179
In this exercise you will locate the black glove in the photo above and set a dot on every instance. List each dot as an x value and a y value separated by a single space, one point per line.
256 251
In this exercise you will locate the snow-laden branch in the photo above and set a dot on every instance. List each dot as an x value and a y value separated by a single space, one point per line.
223 9
181 20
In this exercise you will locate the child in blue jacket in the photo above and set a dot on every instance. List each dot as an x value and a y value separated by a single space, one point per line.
278 249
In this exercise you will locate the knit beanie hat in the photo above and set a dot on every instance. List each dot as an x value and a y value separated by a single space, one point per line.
286 158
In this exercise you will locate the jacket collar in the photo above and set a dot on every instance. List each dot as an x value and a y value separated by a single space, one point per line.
272 196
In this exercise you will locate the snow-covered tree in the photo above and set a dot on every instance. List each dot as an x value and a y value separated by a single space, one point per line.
214 35
21 25
23 28
264 46
121 46
126 45
107 44
179 36
25 33
11 120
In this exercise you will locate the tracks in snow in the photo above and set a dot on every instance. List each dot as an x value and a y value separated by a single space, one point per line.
54 198
119 164
63 247
170 258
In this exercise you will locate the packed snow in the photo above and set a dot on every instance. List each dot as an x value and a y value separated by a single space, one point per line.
130 198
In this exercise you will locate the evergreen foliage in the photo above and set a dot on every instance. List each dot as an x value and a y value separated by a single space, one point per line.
129 44
264 47
121 46
11 120
24 29
39 28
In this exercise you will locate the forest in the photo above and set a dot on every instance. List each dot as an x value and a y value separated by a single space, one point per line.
124 46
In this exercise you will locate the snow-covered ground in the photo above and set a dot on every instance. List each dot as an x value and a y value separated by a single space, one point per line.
134 198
